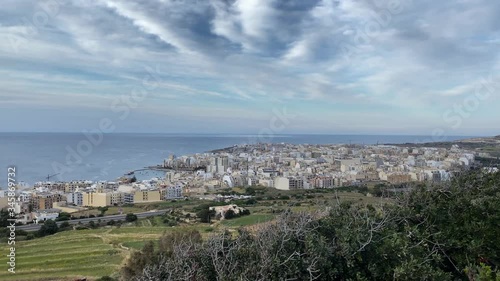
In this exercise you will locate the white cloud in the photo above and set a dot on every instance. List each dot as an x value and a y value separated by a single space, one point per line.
254 53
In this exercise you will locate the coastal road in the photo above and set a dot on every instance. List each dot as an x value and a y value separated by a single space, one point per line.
35 227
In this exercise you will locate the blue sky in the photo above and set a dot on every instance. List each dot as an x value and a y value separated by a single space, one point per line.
226 66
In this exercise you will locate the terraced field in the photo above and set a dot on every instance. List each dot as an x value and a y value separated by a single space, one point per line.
81 253
66 254
77 253
247 220
94 253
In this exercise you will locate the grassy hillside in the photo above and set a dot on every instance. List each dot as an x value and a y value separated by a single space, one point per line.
66 254
94 253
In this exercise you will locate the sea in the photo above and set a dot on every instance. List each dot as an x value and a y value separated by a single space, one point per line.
76 156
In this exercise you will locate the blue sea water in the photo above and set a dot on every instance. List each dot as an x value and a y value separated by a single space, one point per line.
37 155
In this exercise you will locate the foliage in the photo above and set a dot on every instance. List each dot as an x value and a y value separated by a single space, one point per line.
138 260
482 273
4 216
103 210
439 232
130 217
205 214
229 214
250 191
63 216
92 224
167 247
64 225
49 227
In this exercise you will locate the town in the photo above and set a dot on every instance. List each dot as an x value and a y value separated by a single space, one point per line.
280 166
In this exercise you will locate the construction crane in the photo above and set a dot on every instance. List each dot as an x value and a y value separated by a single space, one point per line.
50 176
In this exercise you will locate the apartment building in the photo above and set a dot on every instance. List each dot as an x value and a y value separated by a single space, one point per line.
73 186
44 201
75 198
117 198
96 199
143 196
173 192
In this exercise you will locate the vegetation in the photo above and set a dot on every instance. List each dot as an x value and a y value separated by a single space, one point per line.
49 227
437 232
205 214
424 232
63 216
66 255
103 210
130 217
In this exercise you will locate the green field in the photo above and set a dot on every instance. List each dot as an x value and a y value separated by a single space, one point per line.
78 253
64 256
110 211
93 253
88 253
247 220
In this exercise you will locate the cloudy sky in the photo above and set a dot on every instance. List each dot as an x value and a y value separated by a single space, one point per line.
226 66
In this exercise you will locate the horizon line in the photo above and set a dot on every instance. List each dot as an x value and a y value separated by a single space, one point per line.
245 134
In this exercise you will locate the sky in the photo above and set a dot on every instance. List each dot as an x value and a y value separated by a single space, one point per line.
251 66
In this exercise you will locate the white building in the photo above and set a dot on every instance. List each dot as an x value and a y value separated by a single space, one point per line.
174 192
75 198
43 215
282 183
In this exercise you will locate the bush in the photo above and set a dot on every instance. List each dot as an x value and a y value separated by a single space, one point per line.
172 223
103 210
130 217
446 231
49 227
205 215
229 214
64 225
251 201
63 216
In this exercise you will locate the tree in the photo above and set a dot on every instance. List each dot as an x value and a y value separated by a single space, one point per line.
65 224
4 216
138 260
250 191
130 217
63 216
49 227
446 231
103 210
229 214
205 214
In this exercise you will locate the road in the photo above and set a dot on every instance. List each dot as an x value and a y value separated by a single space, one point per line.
35 227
